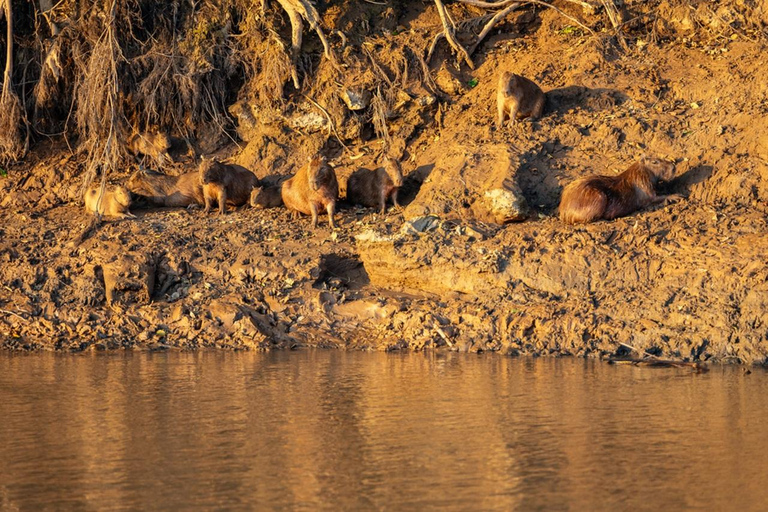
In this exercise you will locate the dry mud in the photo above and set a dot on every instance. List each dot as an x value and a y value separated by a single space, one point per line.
686 280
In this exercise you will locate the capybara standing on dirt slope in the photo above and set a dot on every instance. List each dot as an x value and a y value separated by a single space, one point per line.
607 197
225 184
519 97
155 145
312 188
163 190
114 203
373 188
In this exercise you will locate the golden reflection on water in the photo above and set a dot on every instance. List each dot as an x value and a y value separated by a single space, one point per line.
338 430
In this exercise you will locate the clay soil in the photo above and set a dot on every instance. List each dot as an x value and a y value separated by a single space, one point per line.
685 281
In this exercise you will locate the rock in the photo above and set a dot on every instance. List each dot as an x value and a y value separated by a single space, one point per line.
418 225
506 204
309 122
356 100
455 190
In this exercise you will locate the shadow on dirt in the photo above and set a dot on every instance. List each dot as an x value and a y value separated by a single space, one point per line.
563 99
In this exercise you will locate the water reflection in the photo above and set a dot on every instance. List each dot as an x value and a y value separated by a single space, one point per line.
338 430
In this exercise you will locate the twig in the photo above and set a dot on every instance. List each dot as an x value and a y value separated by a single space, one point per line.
13 313
547 4
330 121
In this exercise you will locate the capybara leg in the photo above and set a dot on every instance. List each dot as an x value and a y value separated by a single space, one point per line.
330 208
394 199
222 201
313 210
513 114
207 204
383 201
500 107
671 198
538 109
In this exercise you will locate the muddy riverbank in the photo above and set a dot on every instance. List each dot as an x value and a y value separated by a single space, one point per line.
686 280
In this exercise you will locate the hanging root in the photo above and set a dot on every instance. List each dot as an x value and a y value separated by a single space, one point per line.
11 113
299 10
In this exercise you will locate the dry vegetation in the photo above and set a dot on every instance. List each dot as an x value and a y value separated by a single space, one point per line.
99 71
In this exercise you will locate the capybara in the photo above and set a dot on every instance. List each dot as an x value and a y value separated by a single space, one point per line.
373 188
266 196
155 145
517 97
607 197
226 184
163 190
114 203
312 188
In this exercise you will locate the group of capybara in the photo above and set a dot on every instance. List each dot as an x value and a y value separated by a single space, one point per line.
314 187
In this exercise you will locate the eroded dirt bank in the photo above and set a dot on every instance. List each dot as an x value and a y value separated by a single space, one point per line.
686 280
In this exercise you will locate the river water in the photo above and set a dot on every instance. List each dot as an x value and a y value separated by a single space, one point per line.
338 430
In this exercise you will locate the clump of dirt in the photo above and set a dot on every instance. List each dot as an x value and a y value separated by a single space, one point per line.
449 270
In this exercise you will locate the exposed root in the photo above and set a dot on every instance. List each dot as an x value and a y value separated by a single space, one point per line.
11 113
450 36
615 18
299 10
492 23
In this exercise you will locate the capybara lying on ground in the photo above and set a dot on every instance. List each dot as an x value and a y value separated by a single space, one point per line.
607 197
373 188
225 184
114 203
267 196
163 190
517 97
312 188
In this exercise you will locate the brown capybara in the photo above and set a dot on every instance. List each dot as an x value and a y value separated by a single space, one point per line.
607 197
373 188
114 203
155 145
163 190
266 196
226 184
517 97
312 188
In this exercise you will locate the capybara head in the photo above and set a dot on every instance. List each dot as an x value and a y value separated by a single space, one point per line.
394 171
136 181
317 171
122 196
663 169
204 167
254 201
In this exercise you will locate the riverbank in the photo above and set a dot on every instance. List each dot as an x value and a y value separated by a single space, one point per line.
684 281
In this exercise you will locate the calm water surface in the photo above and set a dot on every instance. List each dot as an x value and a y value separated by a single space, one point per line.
359 431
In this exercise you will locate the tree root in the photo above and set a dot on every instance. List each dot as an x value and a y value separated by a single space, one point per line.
492 23
299 10
506 6
449 33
